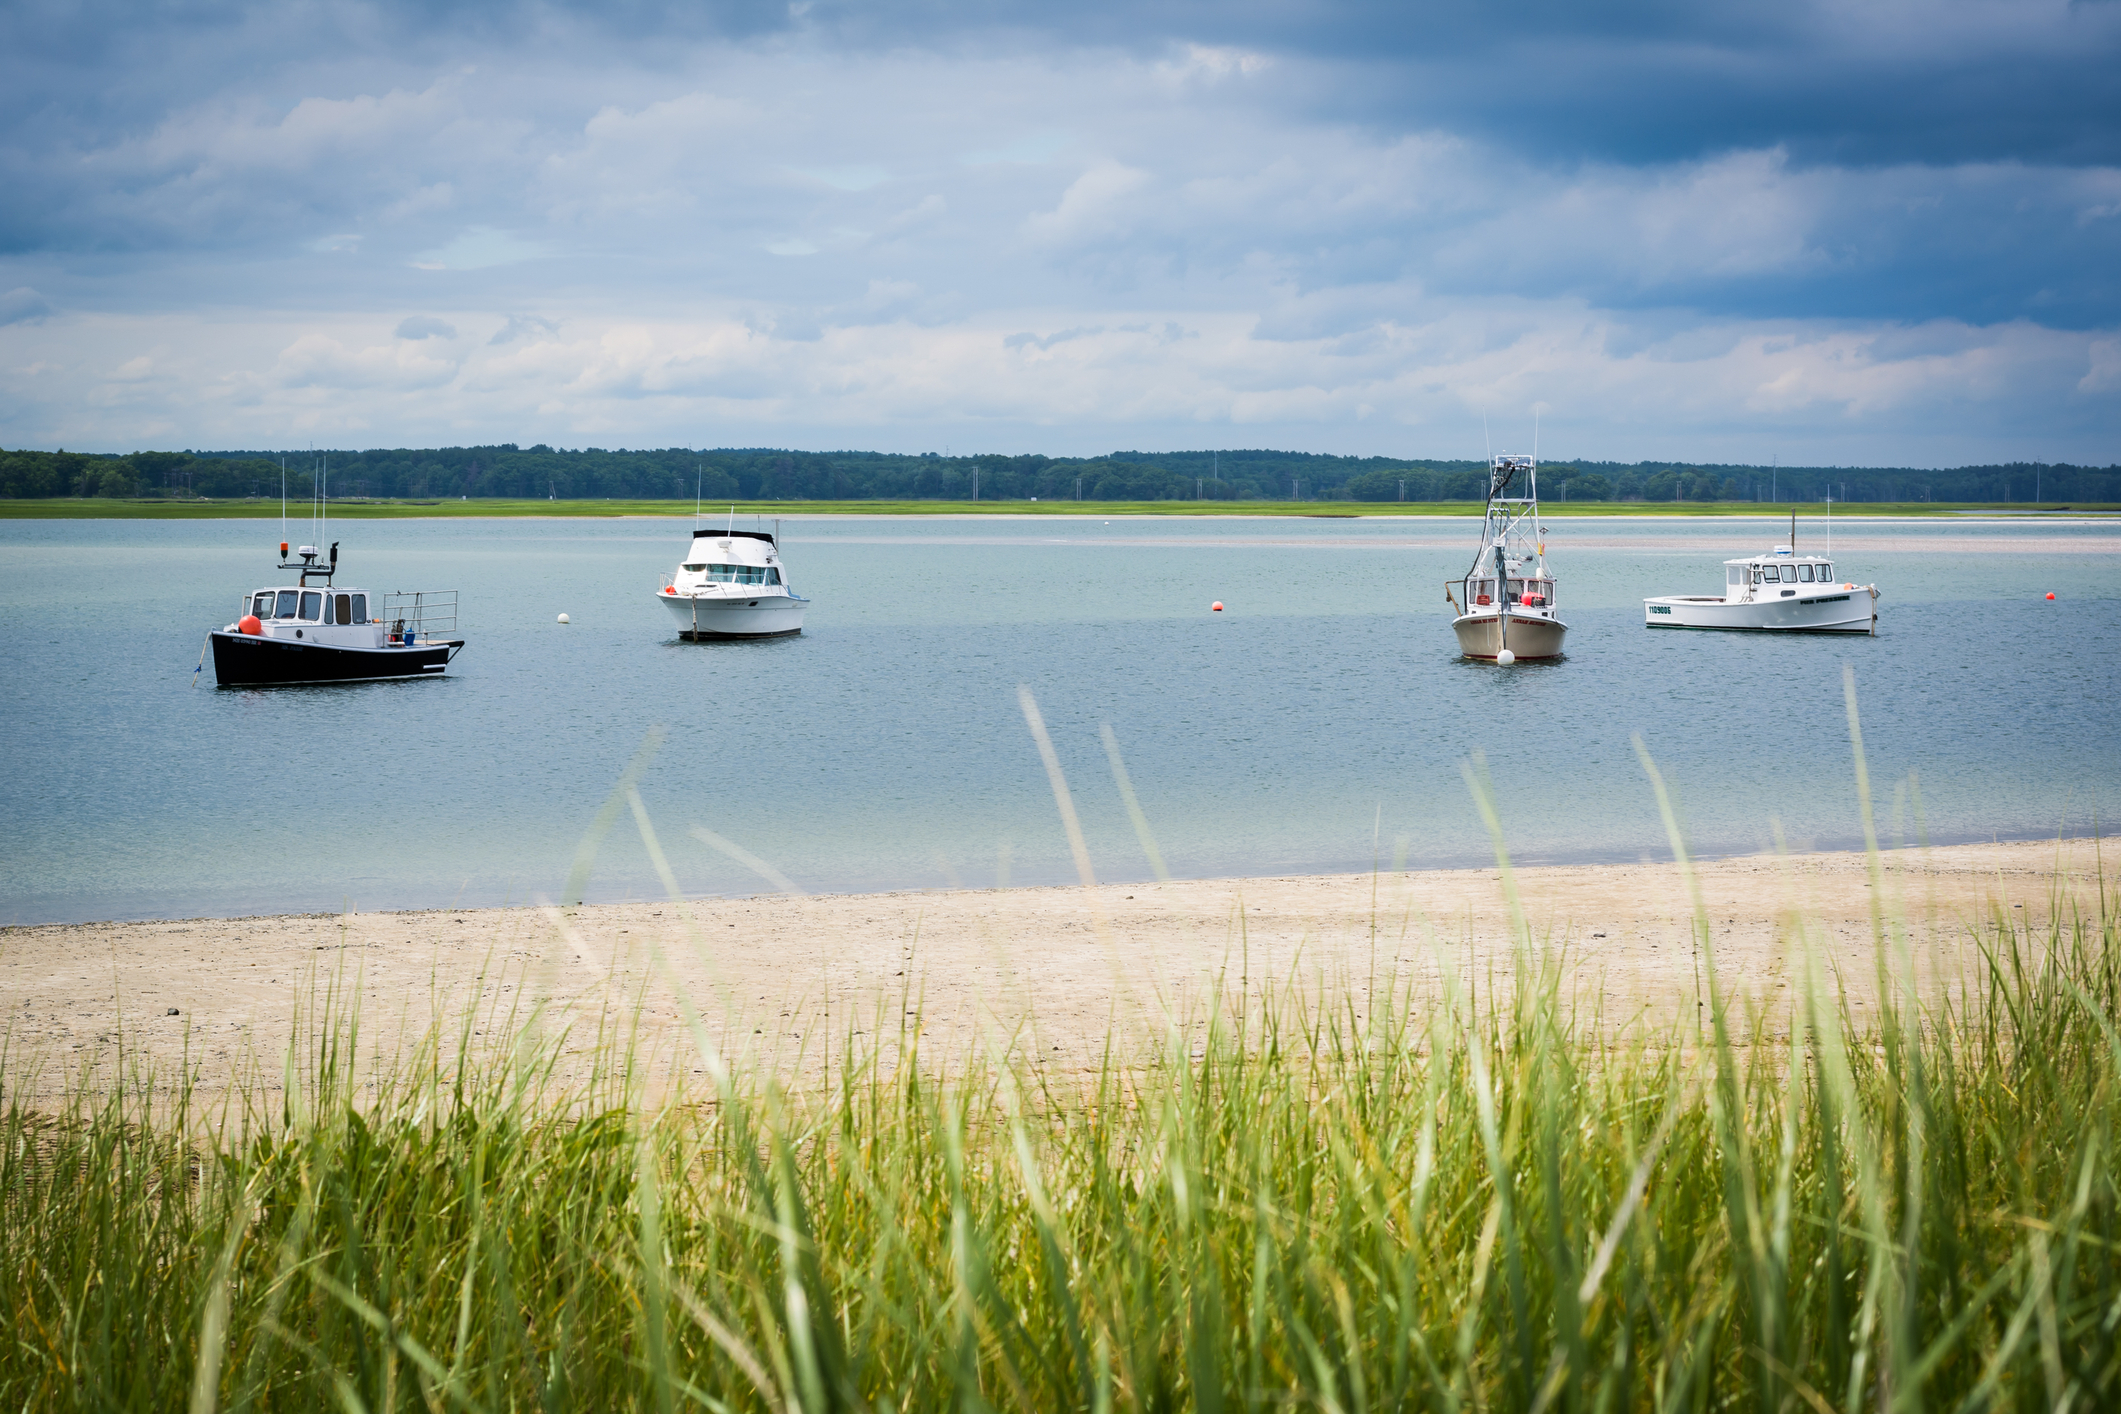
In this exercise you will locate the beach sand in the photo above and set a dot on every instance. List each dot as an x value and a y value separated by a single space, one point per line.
780 982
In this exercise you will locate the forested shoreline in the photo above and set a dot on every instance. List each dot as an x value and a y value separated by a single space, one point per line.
768 474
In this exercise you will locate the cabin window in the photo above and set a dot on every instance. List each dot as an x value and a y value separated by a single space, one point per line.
1787 573
286 608
1804 573
360 609
344 604
1734 575
739 574
312 604
1826 571
261 606
694 569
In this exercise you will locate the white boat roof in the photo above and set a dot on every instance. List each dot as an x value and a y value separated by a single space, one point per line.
1779 555
744 547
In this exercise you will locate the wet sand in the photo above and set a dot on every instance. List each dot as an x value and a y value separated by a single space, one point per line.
1056 972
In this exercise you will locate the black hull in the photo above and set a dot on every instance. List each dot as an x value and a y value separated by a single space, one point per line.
704 636
244 660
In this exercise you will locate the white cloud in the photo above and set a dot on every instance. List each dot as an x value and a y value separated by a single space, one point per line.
1942 392
1090 209
478 249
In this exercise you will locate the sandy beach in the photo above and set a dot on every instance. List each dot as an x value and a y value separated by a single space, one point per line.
1056 972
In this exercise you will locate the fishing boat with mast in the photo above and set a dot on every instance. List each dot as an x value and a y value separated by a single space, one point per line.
315 631
1505 602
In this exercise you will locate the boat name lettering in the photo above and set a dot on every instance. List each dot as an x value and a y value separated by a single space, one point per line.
1660 608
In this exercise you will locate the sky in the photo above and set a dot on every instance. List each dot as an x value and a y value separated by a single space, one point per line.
1877 234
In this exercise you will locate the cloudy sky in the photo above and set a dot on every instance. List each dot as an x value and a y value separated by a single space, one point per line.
1878 233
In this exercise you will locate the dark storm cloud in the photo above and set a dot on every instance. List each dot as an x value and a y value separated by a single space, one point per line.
1875 83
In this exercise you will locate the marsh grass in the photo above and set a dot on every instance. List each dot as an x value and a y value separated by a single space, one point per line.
1443 1205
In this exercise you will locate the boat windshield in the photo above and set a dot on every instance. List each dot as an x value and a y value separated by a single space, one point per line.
738 574
286 609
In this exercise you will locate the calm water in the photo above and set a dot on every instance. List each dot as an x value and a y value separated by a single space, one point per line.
1321 722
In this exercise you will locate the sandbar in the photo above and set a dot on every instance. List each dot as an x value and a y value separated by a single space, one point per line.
780 984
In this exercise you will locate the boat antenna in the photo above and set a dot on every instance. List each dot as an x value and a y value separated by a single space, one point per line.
1484 437
1535 434
283 502
732 521
699 479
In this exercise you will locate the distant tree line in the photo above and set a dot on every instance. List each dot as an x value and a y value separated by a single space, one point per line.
766 474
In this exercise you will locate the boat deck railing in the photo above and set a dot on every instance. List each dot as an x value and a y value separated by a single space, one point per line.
409 616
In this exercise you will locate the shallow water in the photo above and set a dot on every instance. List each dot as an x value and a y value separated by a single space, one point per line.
1322 722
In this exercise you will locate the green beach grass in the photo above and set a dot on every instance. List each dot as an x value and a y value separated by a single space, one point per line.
101 508
1466 1199
1437 1207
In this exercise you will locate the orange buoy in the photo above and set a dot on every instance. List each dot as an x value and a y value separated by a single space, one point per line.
2050 593
249 624
668 589
283 549
1217 606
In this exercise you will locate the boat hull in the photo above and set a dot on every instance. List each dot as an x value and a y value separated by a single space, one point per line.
1529 638
254 660
1838 611
719 616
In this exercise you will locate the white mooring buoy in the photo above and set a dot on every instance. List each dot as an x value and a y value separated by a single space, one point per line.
1506 657
564 619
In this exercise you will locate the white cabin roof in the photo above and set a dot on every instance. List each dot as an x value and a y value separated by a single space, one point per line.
1781 555
722 547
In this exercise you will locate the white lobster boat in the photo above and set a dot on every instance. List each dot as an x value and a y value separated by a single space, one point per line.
1505 602
729 585
1778 592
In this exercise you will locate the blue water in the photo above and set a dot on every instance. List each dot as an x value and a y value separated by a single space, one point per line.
1323 722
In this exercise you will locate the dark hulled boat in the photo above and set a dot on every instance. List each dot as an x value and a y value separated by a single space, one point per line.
313 631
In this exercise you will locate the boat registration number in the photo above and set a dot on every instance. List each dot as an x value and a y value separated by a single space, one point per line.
1660 608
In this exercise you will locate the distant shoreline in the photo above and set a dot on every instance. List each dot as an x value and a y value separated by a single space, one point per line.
100 508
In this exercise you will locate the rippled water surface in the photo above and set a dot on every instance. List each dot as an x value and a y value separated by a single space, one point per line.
1321 722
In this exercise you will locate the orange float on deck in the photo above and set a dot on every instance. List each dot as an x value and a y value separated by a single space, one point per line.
249 624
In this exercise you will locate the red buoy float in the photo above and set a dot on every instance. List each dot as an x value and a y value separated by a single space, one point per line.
2050 593
1217 606
283 549
249 624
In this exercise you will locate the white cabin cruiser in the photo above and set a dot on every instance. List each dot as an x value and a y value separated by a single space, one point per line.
1505 602
314 631
1778 592
729 585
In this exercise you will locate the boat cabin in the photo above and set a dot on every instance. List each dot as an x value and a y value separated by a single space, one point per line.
1775 575
741 558
1527 593
338 617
